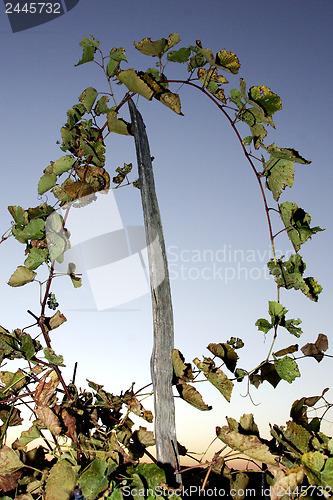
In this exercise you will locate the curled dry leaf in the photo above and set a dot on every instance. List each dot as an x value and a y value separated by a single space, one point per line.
56 320
45 389
251 446
68 420
285 481
316 350
49 419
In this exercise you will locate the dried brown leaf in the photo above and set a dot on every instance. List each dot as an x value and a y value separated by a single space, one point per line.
247 444
316 350
285 481
45 389
49 419
9 482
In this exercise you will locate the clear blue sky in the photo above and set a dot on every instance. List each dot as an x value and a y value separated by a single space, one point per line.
208 196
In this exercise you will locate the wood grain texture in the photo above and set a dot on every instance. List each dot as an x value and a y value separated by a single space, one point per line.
161 361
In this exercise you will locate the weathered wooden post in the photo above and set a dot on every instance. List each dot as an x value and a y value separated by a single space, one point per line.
161 361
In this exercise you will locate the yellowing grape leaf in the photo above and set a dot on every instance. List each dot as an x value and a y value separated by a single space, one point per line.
251 446
21 276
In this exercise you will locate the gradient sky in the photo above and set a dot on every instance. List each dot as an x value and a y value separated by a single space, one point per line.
208 196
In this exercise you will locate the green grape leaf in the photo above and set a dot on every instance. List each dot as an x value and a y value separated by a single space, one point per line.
240 374
297 223
19 215
26 437
286 154
122 172
327 474
95 150
228 61
34 230
29 346
52 358
212 81
116 125
276 311
263 325
46 182
68 138
93 480
298 436
36 257
215 376
226 353
206 53
313 463
61 481
291 326
12 382
153 475
247 140
89 48
63 164
21 276
116 56
61 194
158 48
266 99
258 133
235 342
42 211
57 245
88 98
279 174
190 394
74 115
287 369
112 68
101 105
173 39
134 83
181 55
236 98
196 61
150 48
289 274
